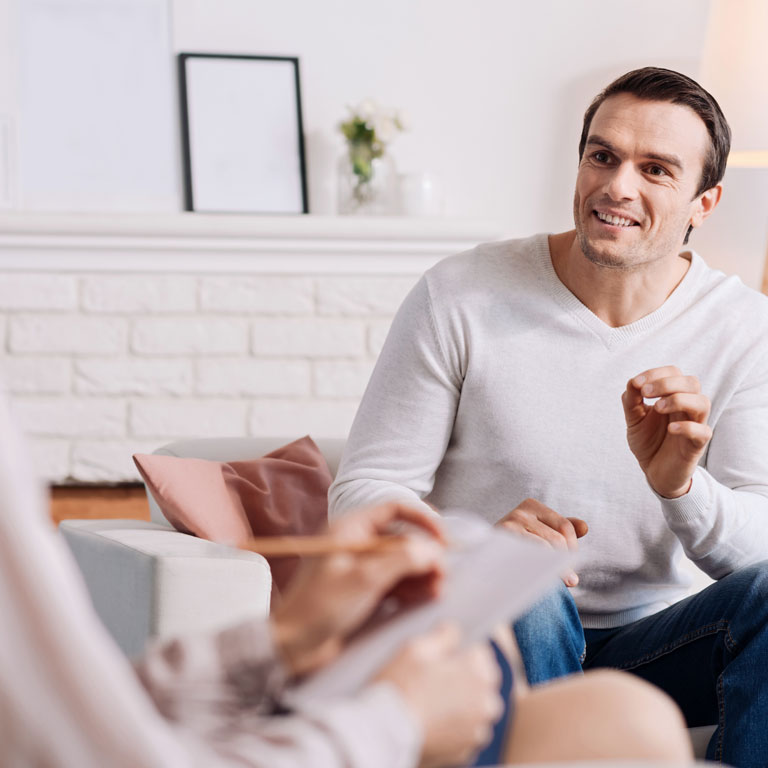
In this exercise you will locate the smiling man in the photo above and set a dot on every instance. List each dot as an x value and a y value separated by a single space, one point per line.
603 389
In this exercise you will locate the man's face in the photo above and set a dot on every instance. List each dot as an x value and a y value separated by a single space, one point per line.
635 189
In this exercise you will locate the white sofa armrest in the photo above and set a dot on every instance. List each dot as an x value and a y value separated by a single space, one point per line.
147 580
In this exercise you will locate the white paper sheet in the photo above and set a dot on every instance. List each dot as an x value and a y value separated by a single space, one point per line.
492 578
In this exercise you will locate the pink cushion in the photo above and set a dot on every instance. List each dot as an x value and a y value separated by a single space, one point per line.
284 492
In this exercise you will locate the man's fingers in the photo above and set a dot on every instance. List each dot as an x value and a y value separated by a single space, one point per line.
538 528
653 374
670 384
532 510
633 404
697 434
579 526
519 530
571 579
663 382
695 407
532 517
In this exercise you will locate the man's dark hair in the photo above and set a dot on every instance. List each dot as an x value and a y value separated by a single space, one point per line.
657 84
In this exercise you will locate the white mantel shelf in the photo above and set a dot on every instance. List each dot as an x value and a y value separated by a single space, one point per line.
208 243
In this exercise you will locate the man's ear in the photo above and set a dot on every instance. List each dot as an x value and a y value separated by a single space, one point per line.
705 204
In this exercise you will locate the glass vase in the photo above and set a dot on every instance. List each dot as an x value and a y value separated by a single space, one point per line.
367 186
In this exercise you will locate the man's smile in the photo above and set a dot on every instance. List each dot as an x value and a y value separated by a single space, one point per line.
614 220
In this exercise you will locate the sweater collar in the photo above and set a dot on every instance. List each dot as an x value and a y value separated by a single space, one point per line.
674 304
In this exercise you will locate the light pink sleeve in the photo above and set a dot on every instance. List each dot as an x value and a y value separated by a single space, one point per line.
68 696
225 688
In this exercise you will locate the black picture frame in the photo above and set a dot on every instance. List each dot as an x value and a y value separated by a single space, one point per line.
242 134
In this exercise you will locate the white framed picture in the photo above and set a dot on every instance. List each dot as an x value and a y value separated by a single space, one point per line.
242 134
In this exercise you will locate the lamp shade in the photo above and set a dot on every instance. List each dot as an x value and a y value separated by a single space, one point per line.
734 69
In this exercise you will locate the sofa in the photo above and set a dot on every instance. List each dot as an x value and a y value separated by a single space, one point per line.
148 580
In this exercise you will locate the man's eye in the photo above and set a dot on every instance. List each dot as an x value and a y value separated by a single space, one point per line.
657 170
601 157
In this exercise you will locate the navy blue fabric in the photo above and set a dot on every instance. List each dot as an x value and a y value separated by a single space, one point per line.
493 753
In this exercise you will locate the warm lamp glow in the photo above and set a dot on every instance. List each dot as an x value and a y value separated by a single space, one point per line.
756 159
734 69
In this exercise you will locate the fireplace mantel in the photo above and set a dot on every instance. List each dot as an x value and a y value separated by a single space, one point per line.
207 243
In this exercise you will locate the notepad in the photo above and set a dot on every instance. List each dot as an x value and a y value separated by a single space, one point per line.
492 578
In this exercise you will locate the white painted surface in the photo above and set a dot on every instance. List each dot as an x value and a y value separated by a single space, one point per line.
8 184
97 105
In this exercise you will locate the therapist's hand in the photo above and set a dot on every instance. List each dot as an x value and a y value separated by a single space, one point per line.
669 437
332 595
451 691
535 520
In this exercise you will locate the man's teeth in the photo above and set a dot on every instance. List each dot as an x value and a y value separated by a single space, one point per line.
615 220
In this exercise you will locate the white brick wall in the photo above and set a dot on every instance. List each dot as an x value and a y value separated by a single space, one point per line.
43 292
137 294
73 334
362 295
107 461
190 417
37 375
133 376
263 295
70 417
50 457
315 337
119 333
341 378
243 376
283 417
192 335
100 366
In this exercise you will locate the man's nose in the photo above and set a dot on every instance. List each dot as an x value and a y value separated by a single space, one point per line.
623 184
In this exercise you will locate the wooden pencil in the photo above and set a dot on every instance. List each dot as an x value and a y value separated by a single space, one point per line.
306 546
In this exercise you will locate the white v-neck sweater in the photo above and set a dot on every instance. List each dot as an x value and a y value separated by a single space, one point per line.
497 384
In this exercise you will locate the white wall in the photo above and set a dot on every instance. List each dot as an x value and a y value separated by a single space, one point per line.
495 91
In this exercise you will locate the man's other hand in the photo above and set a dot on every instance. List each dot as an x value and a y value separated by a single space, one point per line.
669 436
535 520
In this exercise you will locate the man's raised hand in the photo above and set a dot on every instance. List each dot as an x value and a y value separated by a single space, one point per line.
669 437
532 519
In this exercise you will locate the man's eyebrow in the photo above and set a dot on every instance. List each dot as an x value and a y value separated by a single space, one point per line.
672 160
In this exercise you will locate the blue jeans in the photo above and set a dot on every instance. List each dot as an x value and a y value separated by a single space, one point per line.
709 652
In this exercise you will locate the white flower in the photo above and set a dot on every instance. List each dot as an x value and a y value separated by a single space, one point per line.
385 128
367 110
402 120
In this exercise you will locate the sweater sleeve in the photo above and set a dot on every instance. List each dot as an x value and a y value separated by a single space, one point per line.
722 522
190 677
219 692
404 422
369 730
